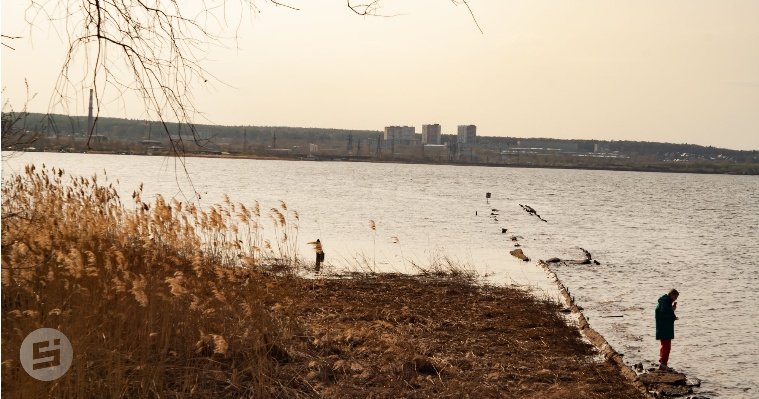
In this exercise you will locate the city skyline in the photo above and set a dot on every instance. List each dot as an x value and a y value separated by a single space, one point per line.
680 72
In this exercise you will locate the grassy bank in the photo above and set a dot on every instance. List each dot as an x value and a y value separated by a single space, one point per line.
162 299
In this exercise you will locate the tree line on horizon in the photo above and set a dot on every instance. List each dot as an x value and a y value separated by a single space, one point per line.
136 129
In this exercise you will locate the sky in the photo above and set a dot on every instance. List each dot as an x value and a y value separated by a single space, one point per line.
682 71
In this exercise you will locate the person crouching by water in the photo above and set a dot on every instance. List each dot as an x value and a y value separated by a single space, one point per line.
665 326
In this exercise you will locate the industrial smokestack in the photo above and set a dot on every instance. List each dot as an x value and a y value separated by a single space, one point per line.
89 117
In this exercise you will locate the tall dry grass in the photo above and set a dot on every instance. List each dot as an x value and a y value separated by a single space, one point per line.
443 265
158 299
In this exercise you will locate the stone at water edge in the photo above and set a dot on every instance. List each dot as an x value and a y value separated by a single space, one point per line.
693 382
663 377
673 390
666 383
518 253
553 260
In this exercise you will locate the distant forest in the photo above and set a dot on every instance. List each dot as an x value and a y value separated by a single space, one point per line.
119 128
131 129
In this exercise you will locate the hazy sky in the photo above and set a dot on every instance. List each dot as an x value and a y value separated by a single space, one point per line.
684 71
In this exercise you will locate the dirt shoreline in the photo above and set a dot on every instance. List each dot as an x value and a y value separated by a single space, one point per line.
391 335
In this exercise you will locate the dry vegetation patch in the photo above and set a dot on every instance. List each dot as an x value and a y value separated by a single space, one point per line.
435 336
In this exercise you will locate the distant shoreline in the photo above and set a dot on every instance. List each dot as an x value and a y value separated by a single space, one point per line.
753 170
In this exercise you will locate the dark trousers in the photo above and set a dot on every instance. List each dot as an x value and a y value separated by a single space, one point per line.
319 260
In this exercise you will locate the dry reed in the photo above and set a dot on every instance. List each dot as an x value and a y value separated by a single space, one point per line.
158 299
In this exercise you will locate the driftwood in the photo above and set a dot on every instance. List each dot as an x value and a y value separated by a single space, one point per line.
532 211
588 258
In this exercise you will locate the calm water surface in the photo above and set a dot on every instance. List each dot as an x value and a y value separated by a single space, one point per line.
650 231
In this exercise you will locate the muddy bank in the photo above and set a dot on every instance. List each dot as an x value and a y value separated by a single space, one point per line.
424 336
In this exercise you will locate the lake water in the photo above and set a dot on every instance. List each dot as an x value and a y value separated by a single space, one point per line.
650 231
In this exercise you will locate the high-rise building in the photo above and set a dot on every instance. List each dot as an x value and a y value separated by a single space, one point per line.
467 134
400 134
431 134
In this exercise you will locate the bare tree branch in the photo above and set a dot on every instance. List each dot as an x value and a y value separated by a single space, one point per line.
276 3
364 9
469 8
15 133
8 37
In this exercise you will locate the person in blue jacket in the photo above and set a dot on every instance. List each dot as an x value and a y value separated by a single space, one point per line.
665 326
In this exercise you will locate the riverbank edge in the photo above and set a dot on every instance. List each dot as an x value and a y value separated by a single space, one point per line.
614 168
595 338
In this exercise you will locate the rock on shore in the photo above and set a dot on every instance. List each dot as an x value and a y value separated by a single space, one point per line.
518 253
667 383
